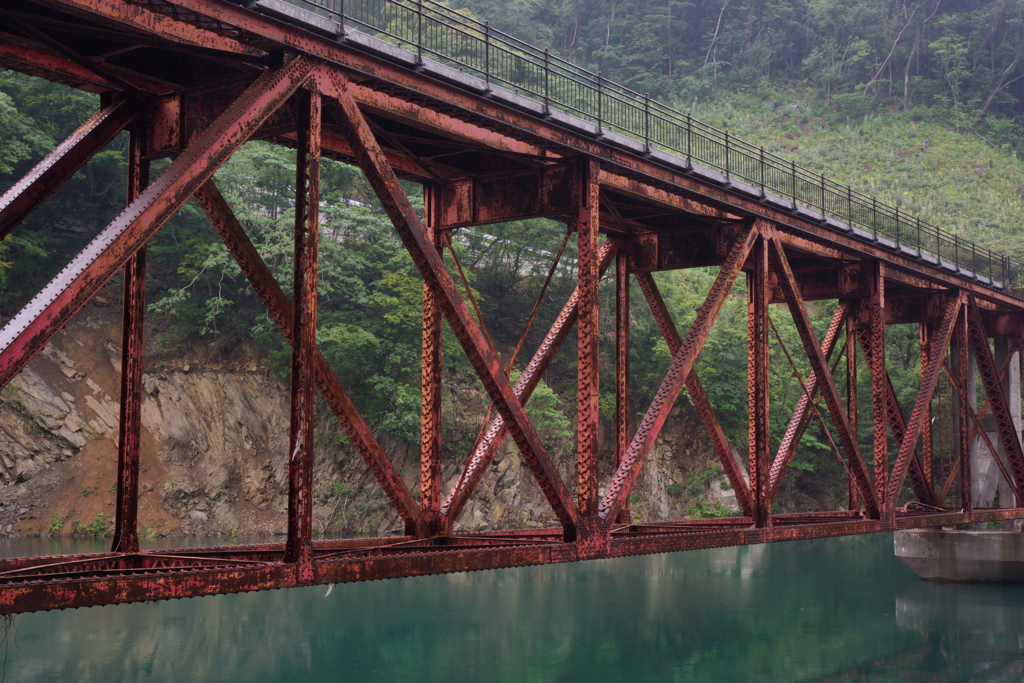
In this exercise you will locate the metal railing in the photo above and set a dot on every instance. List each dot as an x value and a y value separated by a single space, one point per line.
431 30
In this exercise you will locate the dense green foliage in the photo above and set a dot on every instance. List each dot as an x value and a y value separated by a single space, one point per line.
913 102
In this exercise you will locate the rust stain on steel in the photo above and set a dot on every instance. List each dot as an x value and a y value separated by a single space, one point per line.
623 407
23 57
298 547
31 328
697 393
758 390
59 165
431 521
802 415
280 310
682 362
139 17
963 359
488 367
819 364
588 409
496 432
126 535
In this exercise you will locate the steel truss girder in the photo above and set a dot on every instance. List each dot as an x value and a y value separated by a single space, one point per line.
588 408
697 394
427 259
29 331
682 363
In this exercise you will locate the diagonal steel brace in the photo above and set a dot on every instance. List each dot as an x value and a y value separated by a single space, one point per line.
496 432
682 363
31 328
697 394
280 310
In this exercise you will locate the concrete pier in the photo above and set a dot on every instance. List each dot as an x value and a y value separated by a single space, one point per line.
941 555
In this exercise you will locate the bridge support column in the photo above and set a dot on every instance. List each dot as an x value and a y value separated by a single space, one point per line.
587 222
622 403
298 547
851 401
126 534
927 442
758 392
965 403
430 521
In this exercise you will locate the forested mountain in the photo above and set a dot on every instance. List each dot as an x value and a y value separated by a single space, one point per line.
915 102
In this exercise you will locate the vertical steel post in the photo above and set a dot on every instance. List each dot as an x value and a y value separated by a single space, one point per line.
588 407
851 398
126 536
429 522
927 445
299 548
963 371
622 406
879 395
757 381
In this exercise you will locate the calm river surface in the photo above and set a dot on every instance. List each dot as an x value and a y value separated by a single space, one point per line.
837 609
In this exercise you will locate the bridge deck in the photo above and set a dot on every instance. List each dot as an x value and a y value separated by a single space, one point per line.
497 131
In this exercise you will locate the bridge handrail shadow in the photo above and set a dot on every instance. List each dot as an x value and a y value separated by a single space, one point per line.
471 53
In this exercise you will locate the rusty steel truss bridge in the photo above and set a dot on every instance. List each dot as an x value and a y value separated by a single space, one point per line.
497 130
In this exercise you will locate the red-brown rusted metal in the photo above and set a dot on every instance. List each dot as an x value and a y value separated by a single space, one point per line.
298 547
588 410
62 163
280 310
758 391
697 394
963 374
852 411
873 343
430 522
682 363
126 534
927 442
622 404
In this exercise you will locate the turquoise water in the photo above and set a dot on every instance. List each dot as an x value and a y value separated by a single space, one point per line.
837 609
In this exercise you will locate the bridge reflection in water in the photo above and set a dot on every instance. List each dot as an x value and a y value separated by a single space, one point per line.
519 136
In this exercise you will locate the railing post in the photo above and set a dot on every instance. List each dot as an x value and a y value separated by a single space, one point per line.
849 206
822 195
918 237
547 72
419 33
647 123
792 177
487 55
897 236
600 128
727 155
341 17
874 219
938 246
762 172
689 141
956 252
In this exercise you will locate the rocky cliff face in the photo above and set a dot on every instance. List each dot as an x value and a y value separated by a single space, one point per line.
214 437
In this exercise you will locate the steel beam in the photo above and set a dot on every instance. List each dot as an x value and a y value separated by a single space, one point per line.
697 394
280 310
927 443
588 408
62 163
431 522
758 390
963 376
622 403
31 328
682 363
487 365
126 516
496 432
298 547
